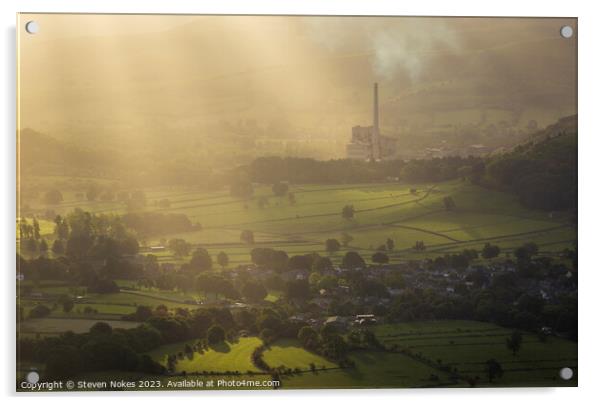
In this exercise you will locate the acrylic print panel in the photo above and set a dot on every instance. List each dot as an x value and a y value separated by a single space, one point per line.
281 202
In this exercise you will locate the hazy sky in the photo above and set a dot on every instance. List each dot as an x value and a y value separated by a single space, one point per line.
134 76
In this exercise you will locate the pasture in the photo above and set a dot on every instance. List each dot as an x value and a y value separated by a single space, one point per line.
288 353
406 213
219 358
467 345
373 369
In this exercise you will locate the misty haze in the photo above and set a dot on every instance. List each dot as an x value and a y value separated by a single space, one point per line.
296 202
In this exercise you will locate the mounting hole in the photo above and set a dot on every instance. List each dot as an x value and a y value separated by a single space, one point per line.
32 27
566 373
32 377
566 31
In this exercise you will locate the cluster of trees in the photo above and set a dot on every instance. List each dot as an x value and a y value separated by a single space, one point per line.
82 235
270 170
94 192
328 342
30 237
105 348
279 260
102 348
542 175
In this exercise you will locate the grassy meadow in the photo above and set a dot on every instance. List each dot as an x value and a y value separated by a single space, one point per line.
406 213
462 344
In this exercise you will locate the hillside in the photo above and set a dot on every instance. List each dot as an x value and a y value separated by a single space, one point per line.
44 155
564 126
543 171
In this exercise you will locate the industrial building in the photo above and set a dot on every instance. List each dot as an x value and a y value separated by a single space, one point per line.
367 143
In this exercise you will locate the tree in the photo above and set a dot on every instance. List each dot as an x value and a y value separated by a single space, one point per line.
143 313
67 303
25 230
36 229
216 334
297 289
53 197
43 246
101 329
470 254
61 229
280 189
30 245
332 245
419 246
321 264
346 239
222 259
103 286
254 292
307 336
465 172
490 251
39 311
348 212
57 247
292 200
526 251
514 342
335 347
63 361
493 369
328 282
267 335
380 258
179 247
201 260
449 203
352 260
247 236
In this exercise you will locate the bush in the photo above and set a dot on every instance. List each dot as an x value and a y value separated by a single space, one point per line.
216 334
39 311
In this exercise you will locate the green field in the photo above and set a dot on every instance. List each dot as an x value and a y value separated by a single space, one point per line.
387 210
462 345
221 358
467 345
287 353
383 211
107 307
373 369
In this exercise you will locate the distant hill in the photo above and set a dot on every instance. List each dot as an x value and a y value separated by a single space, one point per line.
40 154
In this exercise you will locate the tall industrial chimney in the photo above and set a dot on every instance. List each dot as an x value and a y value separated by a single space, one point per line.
375 127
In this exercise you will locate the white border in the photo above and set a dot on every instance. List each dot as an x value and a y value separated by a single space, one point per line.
590 192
